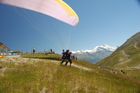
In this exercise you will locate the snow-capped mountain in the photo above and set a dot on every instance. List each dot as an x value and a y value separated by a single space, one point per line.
96 54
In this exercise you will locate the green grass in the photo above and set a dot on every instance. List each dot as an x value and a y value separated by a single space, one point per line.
43 56
112 60
33 77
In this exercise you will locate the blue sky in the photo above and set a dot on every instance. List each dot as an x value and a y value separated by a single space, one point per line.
109 22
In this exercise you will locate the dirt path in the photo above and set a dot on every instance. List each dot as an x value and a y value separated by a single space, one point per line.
124 59
81 67
20 60
135 45
73 65
124 54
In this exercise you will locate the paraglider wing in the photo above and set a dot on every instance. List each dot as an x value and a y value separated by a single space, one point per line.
55 8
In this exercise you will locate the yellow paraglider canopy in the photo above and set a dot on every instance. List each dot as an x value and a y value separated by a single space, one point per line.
55 8
67 8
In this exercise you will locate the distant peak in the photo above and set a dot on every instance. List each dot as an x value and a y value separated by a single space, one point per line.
97 48
105 46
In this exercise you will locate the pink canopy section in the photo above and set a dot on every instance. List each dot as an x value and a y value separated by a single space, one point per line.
55 8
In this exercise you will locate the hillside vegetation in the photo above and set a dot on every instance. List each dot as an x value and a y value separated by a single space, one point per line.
126 59
126 56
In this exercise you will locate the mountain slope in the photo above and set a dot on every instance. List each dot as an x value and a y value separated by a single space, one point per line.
96 54
126 56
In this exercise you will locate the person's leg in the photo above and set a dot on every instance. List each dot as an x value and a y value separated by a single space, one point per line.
66 62
70 61
62 61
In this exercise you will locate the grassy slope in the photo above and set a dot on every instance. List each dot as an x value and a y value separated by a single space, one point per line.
130 64
33 77
118 59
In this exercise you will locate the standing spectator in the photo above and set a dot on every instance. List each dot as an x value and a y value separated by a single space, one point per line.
34 50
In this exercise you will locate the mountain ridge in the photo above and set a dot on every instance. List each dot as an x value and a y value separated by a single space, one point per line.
96 54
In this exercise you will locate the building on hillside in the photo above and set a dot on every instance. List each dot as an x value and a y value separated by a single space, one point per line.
4 50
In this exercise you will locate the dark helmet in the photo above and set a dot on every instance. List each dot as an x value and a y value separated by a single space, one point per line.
67 51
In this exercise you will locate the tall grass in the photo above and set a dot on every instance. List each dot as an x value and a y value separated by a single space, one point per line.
53 78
